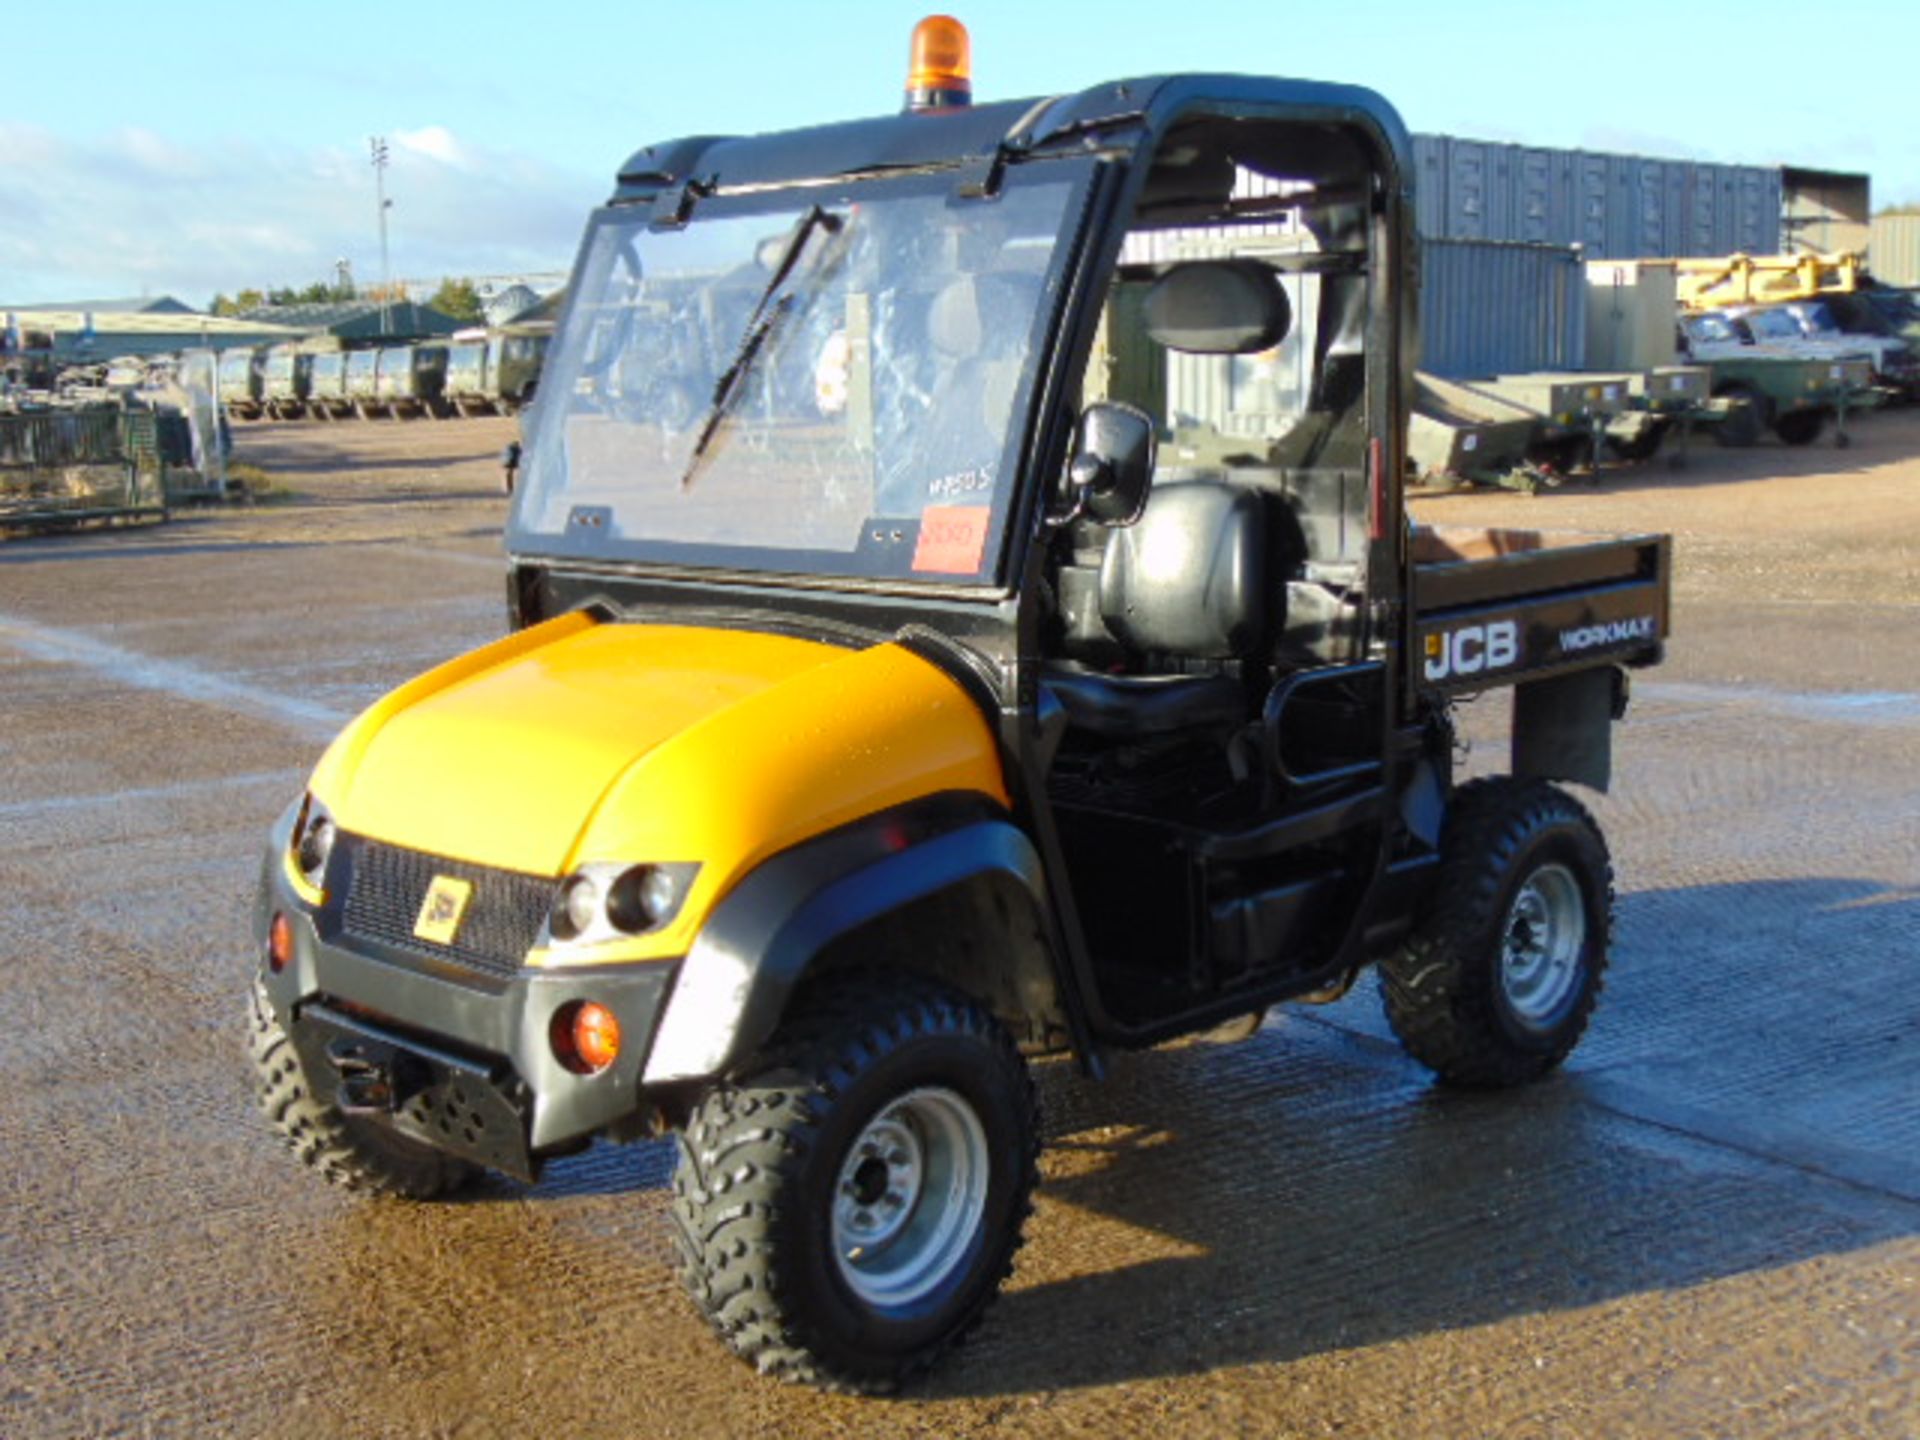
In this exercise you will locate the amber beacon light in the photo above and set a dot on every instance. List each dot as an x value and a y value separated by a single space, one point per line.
940 72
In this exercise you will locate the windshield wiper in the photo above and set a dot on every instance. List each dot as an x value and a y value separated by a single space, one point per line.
760 324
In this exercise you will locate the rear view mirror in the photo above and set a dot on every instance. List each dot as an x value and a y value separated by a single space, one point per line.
1112 464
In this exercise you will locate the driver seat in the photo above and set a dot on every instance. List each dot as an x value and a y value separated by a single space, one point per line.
1184 591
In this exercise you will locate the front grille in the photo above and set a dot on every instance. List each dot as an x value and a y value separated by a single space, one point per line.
385 886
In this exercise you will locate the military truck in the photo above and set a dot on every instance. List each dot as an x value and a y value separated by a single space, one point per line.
240 383
514 357
918 707
362 383
286 380
327 397
469 387
410 380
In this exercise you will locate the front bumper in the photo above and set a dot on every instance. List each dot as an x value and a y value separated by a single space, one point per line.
426 1046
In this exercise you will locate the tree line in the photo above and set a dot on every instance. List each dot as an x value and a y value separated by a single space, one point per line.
457 298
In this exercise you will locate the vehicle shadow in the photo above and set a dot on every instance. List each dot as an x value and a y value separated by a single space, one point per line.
1309 1190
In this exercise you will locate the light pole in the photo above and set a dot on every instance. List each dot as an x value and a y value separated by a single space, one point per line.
377 149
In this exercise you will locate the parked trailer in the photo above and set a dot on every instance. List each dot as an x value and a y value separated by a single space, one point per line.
1793 398
1579 406
1455 432
240 383
1663 399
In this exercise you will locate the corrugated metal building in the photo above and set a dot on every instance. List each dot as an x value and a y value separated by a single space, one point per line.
359 321
1615 206
1492 307
131 305
84 335
1893 254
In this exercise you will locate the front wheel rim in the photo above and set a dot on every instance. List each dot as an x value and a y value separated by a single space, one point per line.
1541 944
910 1197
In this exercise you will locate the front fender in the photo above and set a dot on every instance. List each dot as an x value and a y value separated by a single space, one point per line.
758 944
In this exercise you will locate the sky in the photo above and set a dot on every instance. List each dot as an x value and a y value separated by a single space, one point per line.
205 148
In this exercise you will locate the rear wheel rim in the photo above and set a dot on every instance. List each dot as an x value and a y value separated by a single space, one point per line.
1541 944
910 1198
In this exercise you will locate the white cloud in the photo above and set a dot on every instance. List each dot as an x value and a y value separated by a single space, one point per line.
436 142
137 211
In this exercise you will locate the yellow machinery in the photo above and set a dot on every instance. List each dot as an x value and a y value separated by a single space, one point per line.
1707 284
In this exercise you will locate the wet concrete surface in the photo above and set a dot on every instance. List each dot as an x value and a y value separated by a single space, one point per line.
1708 1225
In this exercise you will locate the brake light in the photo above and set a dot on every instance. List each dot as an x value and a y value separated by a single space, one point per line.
940 65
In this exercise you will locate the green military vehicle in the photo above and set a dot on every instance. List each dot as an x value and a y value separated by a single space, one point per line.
240 383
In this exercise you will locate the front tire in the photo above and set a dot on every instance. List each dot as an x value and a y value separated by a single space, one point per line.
352 1153
846 1212
1500 975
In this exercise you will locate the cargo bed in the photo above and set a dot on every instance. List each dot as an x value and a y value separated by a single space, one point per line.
1495 607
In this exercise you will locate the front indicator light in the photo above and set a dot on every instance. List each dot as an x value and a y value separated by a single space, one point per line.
585 1037
279 942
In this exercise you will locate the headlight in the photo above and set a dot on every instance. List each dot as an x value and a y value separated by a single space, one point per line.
603 902
313 838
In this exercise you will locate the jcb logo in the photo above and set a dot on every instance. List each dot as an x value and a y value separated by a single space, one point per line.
1472 649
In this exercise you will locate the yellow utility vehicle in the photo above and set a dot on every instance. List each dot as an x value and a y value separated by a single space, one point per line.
881 712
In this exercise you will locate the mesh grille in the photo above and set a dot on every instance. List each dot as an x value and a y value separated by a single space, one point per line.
385 886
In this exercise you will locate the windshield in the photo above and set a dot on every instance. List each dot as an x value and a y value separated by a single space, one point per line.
1816 319
1713 329
833 387
1775 325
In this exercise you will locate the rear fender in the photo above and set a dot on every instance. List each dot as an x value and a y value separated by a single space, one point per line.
801 908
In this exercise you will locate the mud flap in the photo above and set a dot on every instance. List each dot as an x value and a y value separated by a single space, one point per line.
1563 726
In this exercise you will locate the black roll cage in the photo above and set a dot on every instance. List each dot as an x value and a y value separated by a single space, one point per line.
989 638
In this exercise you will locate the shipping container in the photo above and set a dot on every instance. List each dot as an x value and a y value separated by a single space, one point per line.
1616 206
1894 252
1493 307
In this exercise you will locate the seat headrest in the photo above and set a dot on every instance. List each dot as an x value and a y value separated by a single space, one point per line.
975 308
1218 307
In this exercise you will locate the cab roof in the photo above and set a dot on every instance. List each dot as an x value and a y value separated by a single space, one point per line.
1126 113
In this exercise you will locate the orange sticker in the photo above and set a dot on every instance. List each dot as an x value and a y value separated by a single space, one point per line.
952 539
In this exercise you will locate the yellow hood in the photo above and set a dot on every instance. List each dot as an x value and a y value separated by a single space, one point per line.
575 741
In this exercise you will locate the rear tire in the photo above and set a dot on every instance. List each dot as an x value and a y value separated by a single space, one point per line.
351 1153
1800 427
846 1212
1500 975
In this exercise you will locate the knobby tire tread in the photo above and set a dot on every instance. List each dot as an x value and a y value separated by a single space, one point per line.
322 1139
1438 988
748 1141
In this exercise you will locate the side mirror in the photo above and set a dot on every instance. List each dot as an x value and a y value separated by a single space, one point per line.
1112 465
